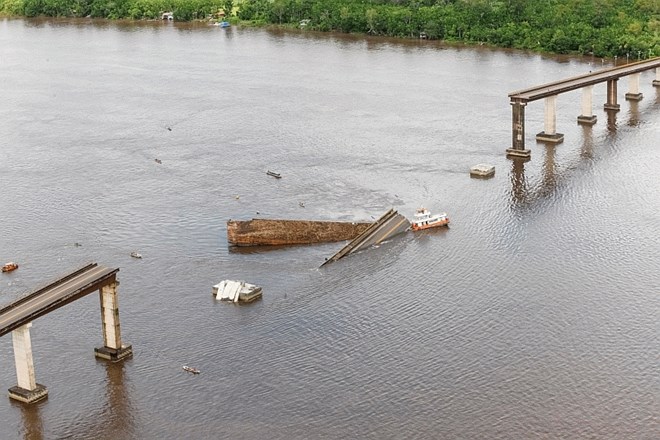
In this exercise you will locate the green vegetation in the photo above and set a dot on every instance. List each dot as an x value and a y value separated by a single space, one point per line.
601 27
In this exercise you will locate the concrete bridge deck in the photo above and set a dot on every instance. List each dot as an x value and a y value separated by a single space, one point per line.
17 318
578 82
79 283
586 82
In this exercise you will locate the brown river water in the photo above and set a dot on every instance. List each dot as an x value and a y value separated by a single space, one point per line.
535 315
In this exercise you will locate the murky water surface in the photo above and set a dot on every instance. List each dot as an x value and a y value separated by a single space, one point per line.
534 316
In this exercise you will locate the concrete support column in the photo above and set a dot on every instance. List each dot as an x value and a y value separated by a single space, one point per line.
113 349
656 81
518 130
611 103
587 117
633 88
550 133
27 390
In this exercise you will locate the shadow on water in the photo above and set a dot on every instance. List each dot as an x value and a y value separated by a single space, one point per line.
611 121
117 414
32 421
247 250
633 112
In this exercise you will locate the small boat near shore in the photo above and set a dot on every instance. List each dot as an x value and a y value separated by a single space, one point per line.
424 220
8 267
191 369
274 174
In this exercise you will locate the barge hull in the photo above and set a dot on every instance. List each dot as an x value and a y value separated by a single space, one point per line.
268 232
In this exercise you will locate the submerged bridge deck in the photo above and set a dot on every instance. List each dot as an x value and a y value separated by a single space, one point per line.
69 288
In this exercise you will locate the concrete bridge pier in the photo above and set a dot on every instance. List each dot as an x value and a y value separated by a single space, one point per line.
27 390
518 130
633 88
112 349
611 103
550 133
656 81
587 117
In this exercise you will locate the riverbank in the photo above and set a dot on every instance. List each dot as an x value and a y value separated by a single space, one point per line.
617 28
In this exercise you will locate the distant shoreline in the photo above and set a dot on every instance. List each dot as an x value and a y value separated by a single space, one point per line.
565 27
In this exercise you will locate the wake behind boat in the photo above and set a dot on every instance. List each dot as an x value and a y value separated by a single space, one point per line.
424 220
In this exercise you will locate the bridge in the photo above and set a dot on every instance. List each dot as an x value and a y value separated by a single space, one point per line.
549 92
17 318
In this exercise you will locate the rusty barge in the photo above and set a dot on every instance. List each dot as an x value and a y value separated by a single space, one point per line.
269 232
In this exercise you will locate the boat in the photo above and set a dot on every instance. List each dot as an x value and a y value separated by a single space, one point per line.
274 174
136 255
236 291
191 369
222 24
8 267
424 220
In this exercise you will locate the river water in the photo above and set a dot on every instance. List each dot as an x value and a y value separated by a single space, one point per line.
535 315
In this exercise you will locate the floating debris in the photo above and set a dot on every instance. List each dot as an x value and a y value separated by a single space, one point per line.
8 267
191 369
301 204
482 170
274 174
158 161
236 291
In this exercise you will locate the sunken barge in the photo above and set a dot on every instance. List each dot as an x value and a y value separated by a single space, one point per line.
269 232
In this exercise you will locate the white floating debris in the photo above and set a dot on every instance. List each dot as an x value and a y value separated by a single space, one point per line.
482 170
236 291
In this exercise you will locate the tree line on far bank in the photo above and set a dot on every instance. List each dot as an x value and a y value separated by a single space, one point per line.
599 27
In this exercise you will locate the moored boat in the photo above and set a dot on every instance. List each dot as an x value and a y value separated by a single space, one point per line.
424 220
8 267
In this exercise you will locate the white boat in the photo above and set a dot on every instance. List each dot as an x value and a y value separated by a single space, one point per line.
136 255
236 291
424 220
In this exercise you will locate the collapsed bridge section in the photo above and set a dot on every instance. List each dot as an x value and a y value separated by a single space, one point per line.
390 224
